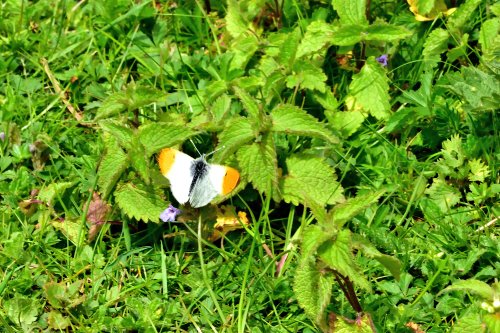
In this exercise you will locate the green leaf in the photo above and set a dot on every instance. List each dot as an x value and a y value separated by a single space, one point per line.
21 310
369 91
258 164
477 287
310 179
139 204
385 32
469 323
235 23
238 131
344 212
337 254
221 107
318 36
122 134
307 76
243 49
71 229
389 262
139 161
288 50
312 237
347 35
55 294
478 170
492 321
53 191
351 11
488 34
435 44
160 135
249 104
313 290
444 195
347 122
290 119
113 164
462 16
132 98
57 321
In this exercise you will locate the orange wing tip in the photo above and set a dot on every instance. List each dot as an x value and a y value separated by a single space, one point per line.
230 180
166 160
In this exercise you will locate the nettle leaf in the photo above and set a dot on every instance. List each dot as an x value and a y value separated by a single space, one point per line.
344 212
351 11
477 287
235 23
258 164
313 290
160 135
113 164
444 195
318 36
369 91
237 132
243 49
139 161
381 31
249 103
220 107
347 35
288 50
488 34
462 16
389 262
53 191
139 204
337 254
307 76
310 179
291 119
132 98
122 134
435 44
312 237
346 122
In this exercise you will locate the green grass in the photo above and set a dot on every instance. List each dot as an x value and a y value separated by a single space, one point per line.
371 191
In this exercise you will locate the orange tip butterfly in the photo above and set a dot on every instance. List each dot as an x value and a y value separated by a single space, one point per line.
195 180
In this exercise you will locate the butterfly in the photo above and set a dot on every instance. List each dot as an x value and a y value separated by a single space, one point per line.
195 180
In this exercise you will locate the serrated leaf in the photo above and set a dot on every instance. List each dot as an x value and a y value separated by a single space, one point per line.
444 195
477 287
313 290
346 122
288 50
318 36
369 90
307 76
160 135
139 161
478 170
258 164
235 23
435 44
344 212
389 262
488 34
327 100
237 132
463 14
351 11
453 153
310 179
243 49
132 98
122 134
385 32
312 237
53 191
290 119
70 229
347 35
469 323
139 204
337 254
249 103
113 164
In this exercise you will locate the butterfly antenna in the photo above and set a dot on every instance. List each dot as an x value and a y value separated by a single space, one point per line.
214 151
192 142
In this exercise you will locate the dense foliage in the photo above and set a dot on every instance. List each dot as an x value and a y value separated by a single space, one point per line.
366 134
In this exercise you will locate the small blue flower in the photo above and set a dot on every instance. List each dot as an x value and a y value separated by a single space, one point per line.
169 214
383 59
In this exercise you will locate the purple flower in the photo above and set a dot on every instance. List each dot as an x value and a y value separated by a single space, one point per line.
32 148
2 136
383 59
169 214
